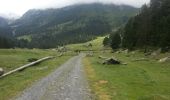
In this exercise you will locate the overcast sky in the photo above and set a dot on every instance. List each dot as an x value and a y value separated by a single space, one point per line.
21 6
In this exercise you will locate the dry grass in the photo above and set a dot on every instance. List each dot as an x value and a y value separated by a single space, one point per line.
96 84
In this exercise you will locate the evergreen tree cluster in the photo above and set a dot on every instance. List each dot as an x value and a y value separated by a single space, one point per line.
5 34
149 28
6 42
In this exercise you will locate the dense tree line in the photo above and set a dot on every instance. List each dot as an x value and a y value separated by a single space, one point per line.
149 28
5 34
6 43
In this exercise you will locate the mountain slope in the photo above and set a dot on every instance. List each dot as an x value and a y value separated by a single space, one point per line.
72 24
5 34
5 29
150 28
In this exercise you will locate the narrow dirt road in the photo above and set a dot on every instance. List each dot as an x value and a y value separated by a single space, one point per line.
68 82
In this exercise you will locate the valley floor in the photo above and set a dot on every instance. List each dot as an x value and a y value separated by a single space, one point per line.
145 79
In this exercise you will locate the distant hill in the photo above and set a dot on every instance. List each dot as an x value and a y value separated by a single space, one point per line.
5 34
5 29
73 24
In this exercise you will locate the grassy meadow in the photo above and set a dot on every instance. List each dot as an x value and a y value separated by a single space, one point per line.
138 80
96 45
12 85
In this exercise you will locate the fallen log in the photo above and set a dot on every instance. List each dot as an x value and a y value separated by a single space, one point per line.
165 59
140 59
26 66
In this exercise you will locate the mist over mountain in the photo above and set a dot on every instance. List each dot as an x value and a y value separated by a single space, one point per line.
10 16
73 24
51 27
5 29
19 7
5 34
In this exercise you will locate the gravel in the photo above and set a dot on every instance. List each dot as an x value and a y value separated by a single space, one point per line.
68 82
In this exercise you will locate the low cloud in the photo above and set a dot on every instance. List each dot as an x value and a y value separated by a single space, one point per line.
21 6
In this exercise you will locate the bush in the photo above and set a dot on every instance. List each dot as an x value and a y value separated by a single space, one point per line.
32 59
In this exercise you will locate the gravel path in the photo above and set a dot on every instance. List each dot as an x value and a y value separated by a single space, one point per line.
68 82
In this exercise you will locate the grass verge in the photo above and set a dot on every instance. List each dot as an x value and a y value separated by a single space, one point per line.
97 86
14 84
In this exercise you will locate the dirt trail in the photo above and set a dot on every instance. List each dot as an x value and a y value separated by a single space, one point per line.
68 82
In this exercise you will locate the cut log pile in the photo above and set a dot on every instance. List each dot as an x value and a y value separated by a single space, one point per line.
110 61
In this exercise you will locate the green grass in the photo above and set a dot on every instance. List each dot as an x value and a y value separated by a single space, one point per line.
14 84
138 80
96 45
25 37
13 58
141 80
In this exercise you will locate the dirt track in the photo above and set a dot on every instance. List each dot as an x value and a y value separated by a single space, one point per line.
68 82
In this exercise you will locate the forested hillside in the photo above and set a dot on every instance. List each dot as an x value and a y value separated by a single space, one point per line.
5 29
150 28
5 34
73 24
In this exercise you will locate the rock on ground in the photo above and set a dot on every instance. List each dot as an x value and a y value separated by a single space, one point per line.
1 71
